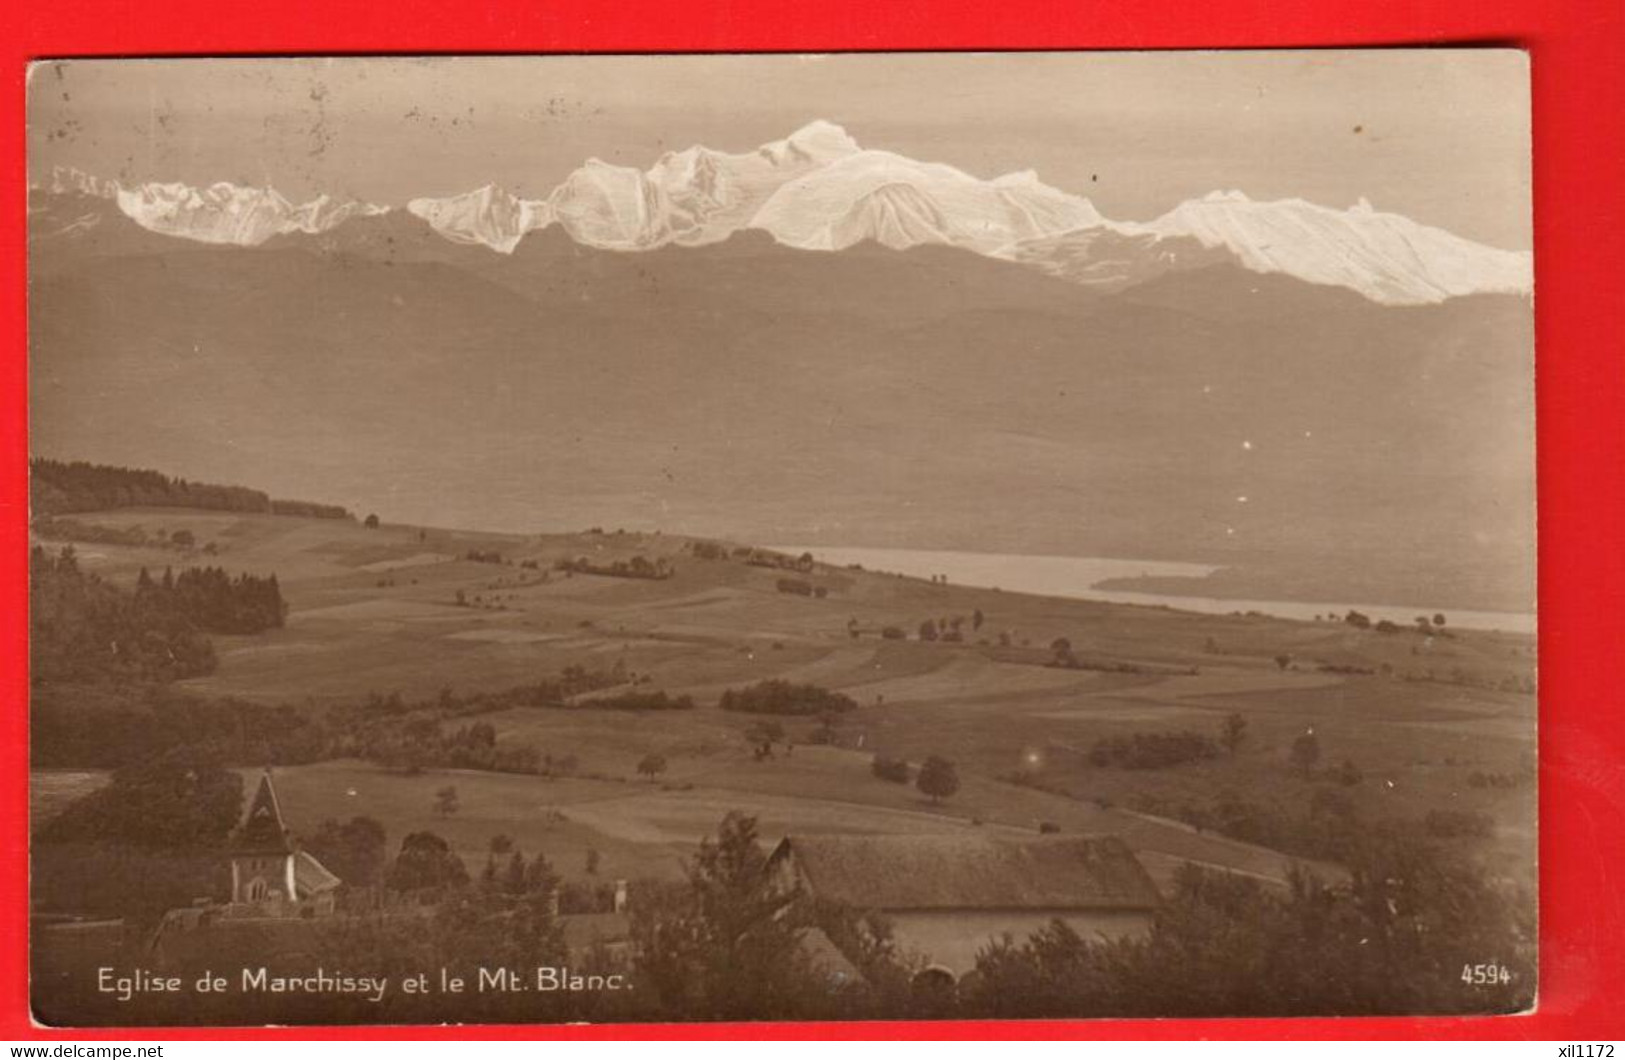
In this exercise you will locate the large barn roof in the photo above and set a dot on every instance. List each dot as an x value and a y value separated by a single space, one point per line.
898 872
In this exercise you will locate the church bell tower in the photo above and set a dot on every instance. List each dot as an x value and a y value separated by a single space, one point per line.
262 855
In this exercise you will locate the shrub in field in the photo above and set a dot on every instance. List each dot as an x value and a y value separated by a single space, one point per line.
893 769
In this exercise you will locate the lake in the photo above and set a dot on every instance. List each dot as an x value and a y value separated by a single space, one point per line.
1077 576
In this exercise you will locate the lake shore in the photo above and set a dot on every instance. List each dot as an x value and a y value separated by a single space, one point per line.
1156 583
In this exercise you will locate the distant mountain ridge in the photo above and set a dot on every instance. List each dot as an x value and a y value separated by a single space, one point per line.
819 190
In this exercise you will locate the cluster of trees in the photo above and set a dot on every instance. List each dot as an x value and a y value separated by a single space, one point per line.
83 628
72 728
761 557
763 735
1345 668
638 701
1325 828
658 569
1394 940
60 529
107 878
1424 625
411 735
950 628
356 851
895 770
126 725
1458 675
555 692
1153 750
174 802
1063 656
798 587
313 510
213 600
516 877
418 742
58 488
938 779
782 697
425 865
1329 824
721 945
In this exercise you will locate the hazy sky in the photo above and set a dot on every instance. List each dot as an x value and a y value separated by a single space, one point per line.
1440 135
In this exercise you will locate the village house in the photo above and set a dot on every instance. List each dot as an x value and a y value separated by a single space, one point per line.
948 896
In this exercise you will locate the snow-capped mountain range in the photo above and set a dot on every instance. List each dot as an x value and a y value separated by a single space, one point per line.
819 190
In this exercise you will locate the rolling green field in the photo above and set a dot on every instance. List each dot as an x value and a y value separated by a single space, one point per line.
397 609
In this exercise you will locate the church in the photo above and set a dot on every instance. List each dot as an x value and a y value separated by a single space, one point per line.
270 875
278 894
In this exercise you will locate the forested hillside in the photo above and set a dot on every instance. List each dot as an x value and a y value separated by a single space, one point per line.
58 487
84 628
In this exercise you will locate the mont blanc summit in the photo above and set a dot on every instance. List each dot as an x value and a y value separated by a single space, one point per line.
819 190
881 196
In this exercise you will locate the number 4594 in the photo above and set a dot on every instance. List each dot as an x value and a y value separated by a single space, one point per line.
1485 974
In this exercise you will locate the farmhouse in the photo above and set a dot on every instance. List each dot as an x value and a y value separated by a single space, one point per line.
947 896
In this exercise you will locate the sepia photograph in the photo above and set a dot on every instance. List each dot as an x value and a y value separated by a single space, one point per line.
860 536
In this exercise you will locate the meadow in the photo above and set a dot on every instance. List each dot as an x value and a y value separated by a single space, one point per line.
404 609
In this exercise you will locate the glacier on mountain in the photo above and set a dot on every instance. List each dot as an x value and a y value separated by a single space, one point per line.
1387 257
71 180
689 197
230 213
490 216
900 202
819 190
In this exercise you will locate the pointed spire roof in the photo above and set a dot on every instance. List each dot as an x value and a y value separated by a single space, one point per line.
262 830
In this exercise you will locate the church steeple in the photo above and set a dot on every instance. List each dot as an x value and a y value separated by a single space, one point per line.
262 830
262 855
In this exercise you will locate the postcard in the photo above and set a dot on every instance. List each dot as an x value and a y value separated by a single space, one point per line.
781 537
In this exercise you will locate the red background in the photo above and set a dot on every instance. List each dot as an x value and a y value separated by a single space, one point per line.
1579 167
